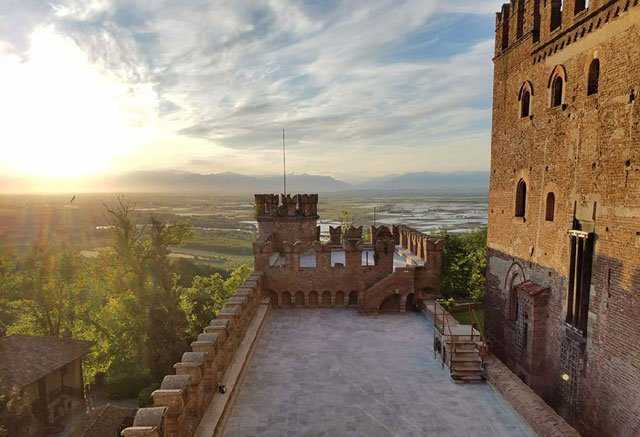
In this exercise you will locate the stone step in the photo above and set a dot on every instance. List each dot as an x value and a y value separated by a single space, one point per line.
466 359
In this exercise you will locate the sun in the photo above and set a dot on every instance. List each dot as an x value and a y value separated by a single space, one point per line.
65 116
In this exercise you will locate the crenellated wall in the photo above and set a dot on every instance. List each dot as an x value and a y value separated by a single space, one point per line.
183 398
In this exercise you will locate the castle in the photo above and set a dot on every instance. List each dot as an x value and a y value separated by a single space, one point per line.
301 270
563 309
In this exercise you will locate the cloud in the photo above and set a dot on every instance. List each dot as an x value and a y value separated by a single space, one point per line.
353 81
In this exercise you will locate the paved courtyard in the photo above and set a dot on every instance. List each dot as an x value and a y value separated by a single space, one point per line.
332 372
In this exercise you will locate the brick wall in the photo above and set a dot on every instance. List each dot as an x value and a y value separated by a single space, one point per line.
586 152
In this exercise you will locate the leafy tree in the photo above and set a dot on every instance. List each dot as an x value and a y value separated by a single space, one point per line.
206 297
464 266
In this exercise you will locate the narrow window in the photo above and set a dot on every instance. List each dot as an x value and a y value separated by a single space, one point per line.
556 14
521 198
556 91
594 77
368 258
581 5
520 18
505 26
525 104
579 280
551 207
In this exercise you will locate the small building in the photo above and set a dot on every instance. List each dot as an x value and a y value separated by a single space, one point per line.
47 372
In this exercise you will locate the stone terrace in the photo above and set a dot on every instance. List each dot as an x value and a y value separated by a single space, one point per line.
334 372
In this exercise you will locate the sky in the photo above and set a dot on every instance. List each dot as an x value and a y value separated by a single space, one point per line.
363 88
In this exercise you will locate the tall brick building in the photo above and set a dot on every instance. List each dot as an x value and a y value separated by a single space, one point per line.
563 298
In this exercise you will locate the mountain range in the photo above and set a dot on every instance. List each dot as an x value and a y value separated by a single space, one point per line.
168 181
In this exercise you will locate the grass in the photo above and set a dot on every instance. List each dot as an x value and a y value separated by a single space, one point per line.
464 317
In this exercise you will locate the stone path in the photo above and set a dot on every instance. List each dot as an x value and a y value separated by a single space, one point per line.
331 372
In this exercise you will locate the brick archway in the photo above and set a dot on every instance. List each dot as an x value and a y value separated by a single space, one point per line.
300 300
285 299
273 297
339 299
353 298
392 304
313 299
326 299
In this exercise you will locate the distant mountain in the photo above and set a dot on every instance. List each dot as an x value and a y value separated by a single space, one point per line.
471 181
177 181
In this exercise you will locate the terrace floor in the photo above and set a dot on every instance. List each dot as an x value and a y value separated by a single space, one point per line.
334 372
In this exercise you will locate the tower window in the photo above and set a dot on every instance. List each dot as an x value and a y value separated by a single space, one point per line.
556 14
520 19
594 77
525 104
521 198
579 280
556 91
550 207
581 5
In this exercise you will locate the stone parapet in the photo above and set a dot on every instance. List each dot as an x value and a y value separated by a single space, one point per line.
182 399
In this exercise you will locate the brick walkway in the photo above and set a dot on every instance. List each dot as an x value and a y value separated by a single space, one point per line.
329 372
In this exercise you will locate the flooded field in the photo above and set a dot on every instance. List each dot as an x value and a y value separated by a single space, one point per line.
223 227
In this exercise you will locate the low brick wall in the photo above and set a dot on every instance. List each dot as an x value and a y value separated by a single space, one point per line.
183 398
538 414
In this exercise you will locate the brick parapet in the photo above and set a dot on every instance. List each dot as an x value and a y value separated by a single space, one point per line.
182 399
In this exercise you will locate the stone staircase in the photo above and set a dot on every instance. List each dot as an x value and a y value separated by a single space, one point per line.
465 362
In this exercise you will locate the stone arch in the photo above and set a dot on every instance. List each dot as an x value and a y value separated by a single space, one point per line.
391 304
353 298
515 277
273 297
339 298
313 298
285 299
326 298
300 300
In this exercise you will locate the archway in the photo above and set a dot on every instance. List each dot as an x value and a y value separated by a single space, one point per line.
326 299
273 297
286 299
391 304
411 303
300 299
353 298
339 299
313 298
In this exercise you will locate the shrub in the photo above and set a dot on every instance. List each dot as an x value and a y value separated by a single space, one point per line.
126 381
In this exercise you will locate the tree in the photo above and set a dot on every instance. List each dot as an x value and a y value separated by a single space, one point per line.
465 262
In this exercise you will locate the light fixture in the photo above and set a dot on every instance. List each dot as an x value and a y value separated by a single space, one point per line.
565 377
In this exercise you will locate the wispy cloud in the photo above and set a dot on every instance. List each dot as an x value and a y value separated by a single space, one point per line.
362 86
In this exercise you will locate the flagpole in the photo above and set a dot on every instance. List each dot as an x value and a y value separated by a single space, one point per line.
284 164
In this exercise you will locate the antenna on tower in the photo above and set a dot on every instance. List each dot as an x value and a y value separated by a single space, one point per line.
284 164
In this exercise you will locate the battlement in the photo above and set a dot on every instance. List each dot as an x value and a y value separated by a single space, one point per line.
552 25
270 206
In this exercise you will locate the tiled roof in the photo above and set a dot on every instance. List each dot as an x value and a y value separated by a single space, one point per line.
26 359
105 421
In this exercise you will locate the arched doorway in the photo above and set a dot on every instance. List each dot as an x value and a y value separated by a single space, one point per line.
411 304
286 299
313 299
353 298
391 304
273 297
339 299
326 299
300 299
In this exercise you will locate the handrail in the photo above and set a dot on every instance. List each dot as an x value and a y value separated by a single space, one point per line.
446 331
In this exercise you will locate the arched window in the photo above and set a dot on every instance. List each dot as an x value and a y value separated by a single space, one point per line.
594 77
550 210
513 303
581 5
556 91
521 198
556 14
525 104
